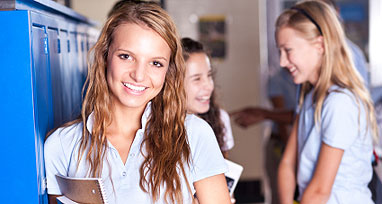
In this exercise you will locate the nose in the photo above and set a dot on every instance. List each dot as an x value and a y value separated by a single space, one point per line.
283 59
209 84
138 72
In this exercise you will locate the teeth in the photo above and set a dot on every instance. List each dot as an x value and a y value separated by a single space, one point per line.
292 69
135 88
204 98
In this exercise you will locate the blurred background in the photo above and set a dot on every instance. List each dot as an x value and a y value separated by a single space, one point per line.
240 37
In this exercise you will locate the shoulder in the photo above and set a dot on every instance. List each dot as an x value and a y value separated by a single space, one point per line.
196 125
340 98
64 137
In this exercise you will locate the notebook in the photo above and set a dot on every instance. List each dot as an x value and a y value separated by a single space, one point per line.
82 190
233 175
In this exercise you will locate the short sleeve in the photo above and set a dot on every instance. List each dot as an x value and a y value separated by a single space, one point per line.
56 159
228 136
207 159
340 124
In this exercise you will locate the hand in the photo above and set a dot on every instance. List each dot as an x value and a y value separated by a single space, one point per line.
248 116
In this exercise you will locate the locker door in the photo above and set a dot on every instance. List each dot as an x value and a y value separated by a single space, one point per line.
66 77
42 97
56 74
75 67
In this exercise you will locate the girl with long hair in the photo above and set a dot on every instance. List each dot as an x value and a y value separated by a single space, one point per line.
134 132
201 98
330 148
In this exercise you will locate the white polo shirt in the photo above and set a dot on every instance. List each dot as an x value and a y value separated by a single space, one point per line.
61 153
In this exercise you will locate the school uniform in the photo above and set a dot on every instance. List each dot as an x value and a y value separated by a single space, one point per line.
343 126
121 180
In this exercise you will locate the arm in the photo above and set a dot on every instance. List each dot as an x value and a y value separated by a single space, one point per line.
319 188
287 168
283 119
252 115
212 190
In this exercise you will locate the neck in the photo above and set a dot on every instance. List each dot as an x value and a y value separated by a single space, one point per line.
125 121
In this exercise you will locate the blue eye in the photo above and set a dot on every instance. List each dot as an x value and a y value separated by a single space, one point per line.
157 64
124 56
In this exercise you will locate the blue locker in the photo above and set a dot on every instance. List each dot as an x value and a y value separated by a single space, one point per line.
43 67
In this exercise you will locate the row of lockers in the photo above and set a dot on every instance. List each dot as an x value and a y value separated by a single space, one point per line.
43 69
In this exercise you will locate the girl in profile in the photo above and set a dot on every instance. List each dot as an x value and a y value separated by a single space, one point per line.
330 149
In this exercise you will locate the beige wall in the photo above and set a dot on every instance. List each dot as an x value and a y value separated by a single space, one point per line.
94 9
238 76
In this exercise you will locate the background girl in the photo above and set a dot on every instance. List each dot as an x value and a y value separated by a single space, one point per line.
331 141
201 99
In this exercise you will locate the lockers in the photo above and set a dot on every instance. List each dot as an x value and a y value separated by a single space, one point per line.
42 69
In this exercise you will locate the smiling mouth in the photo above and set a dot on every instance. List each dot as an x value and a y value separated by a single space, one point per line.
203 99
133 87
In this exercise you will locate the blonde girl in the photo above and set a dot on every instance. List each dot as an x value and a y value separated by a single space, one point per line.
330 147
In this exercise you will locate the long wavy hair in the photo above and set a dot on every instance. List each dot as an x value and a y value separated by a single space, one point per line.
212 116
165 137
312 19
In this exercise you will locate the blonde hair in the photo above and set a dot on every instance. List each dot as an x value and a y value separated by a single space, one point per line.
312 19
165 137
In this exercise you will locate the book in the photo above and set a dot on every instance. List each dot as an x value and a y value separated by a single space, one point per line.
81 190
232 175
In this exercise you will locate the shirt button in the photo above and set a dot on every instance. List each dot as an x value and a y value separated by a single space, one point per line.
124 173
132 154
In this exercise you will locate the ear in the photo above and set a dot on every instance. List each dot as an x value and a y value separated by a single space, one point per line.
319 43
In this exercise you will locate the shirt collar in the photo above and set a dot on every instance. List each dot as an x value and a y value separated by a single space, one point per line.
145 116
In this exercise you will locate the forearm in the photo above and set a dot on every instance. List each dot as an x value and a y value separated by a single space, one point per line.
286 184
279 116
312 196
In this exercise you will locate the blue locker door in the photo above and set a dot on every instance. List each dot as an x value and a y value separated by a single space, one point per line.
42 97
75 67
56 74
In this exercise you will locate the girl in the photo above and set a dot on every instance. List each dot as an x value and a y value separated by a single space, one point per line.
331 141
133 131
201 97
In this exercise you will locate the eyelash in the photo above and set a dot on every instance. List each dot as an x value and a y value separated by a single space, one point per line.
124 56
157 64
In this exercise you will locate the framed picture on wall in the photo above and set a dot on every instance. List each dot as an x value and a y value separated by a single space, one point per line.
212 33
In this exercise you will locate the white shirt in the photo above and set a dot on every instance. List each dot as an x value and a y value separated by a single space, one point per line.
341 128
228 137
61 150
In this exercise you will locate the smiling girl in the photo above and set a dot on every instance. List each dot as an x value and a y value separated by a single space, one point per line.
330 148
201 99
134 132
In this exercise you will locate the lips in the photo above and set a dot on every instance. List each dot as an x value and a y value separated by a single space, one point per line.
203 99
134 88
292 70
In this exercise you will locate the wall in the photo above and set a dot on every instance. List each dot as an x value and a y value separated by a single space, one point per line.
238 76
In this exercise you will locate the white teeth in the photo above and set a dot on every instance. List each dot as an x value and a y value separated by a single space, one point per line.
292 69
204 98
135 88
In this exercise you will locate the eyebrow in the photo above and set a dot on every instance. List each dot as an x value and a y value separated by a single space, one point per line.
157 57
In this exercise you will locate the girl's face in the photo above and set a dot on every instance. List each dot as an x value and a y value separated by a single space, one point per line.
137 63
301 57
198 83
